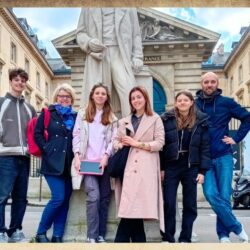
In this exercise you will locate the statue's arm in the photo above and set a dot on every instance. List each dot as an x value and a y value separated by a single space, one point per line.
136 36
82 37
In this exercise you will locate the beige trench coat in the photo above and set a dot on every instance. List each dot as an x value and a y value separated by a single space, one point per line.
141 192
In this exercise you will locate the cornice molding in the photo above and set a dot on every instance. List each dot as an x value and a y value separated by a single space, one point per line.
14 24
235 53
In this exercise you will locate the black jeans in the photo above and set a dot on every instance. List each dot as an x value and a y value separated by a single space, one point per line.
178 171
130 230
14 176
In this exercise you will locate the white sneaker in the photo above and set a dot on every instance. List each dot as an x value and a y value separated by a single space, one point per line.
90 240
18 237
225 240
100 239
3 238
243 235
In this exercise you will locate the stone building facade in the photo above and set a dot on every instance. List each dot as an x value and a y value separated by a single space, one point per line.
18 48
173 51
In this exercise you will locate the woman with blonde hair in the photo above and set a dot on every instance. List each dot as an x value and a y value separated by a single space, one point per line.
185 158
57 156
139 196
92 141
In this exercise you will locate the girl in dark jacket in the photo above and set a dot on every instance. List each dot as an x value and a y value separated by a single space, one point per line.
185 158
57 156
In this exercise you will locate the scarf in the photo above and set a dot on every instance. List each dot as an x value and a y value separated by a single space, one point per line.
67 115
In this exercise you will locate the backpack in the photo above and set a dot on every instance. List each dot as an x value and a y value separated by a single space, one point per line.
32 146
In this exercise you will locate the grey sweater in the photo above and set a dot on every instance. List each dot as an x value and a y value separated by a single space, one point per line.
14 116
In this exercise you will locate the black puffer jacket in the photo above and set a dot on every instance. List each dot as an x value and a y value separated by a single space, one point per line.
199 148
57 152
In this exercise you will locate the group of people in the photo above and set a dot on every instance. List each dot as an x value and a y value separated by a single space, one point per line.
189 144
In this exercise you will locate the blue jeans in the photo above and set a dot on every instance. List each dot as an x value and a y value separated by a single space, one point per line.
14 176
217 189
57 208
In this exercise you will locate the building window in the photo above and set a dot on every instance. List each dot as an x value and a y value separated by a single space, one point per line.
27 65
240 72
27 96
249 62
231 85
240 96
240 100
46 89
38 80
0 38
13 52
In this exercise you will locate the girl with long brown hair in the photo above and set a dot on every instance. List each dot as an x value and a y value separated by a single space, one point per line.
92 136
184 159
140 196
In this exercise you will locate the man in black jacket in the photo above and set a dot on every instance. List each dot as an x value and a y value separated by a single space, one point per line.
14 161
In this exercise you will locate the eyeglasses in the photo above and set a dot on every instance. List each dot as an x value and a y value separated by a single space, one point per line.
64 96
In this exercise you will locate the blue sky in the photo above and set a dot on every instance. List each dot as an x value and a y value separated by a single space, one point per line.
50 23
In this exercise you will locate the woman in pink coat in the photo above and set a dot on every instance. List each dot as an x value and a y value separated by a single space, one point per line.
140 196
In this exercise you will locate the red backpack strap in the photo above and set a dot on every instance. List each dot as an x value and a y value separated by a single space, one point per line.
46 117
46 122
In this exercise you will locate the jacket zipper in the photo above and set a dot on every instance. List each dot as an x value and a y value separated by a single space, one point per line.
178 143
19 125
189 165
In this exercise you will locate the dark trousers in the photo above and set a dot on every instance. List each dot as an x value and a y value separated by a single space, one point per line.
14 176
57 208
130 230
175 173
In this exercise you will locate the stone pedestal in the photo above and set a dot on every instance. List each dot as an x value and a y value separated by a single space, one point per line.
76 228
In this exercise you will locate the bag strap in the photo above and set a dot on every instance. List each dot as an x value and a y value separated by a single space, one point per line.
46 118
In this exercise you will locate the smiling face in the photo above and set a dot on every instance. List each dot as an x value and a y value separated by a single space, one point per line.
17 84
138 101
64 98
100 96
209 83
183 103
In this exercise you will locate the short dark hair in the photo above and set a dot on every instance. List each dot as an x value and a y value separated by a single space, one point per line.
18 72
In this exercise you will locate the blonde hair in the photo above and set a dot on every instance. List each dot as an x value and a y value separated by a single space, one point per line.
67 88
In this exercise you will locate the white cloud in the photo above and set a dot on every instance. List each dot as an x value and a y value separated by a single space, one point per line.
225 21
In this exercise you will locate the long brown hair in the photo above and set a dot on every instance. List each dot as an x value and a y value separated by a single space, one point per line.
91 107
189 121
148 108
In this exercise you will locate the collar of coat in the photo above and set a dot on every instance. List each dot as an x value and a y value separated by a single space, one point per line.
97 15
145 124
200 116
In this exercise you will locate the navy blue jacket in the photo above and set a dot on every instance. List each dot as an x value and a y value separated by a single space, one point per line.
199 148
57 152
221 110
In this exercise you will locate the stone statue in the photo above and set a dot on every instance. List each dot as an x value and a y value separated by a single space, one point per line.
111 39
